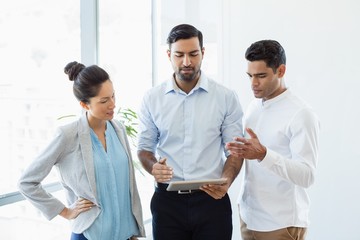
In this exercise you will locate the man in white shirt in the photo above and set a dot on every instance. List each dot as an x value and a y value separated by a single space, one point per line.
281 150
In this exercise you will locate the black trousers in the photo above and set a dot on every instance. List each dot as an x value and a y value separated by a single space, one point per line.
194 216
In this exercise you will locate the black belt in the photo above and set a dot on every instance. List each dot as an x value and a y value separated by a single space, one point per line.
161 187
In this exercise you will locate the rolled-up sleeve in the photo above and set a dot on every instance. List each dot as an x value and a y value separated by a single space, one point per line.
148 132
232 125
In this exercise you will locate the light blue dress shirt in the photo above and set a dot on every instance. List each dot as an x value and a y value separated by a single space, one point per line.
190 130
116 221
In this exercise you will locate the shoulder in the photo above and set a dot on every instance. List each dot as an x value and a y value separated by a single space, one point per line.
302 110
219 88
69 132
158 89
119 126
69 128
154 98
219 91
298 103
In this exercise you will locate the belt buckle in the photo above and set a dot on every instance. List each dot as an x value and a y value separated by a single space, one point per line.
185 191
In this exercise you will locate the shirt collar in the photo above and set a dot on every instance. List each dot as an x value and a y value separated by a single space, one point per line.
278 98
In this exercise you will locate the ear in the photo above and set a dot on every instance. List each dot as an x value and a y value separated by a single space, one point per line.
281 70
84 105
168 53
203 51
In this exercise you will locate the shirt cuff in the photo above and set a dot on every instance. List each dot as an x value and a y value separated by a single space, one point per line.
271 158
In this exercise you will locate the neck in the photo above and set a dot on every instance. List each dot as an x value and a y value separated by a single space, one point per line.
96 124
99 127
187 86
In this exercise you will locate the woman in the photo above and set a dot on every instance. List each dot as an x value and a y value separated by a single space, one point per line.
92 156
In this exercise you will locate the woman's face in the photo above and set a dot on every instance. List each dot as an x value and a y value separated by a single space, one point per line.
101 107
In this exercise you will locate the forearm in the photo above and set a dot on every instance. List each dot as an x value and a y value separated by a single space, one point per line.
230 171
299 171
147 160
65 213
232 168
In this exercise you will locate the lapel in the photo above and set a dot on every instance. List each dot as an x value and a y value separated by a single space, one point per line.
121 132
86 151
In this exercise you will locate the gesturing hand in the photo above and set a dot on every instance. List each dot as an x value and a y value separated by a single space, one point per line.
247 148
162 172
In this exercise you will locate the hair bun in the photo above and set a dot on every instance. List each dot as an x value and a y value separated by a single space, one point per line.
73 69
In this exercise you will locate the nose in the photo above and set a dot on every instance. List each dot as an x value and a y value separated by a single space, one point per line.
112 103
254 81
186 60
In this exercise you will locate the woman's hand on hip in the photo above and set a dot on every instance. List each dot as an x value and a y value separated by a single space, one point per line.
81 205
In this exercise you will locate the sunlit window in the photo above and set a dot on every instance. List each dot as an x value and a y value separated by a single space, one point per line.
38 38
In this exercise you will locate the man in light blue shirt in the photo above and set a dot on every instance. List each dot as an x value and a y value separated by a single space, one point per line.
186 121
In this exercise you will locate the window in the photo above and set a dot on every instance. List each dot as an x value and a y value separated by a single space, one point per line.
38 38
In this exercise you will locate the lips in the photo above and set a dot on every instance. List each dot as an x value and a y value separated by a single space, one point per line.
187 70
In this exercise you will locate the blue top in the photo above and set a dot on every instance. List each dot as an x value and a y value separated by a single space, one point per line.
190 130
116 221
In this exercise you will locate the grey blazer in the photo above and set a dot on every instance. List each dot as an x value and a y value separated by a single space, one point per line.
71 153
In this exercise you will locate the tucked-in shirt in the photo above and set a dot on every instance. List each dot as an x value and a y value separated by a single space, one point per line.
274 191
116 220
190 130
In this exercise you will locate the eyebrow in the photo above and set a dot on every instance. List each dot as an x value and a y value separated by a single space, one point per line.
256 74
194 51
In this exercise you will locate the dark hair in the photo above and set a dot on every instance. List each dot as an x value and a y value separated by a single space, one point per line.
87 80
184 31
269 51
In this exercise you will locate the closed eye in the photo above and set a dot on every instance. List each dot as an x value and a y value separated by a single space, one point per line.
261 75
105 100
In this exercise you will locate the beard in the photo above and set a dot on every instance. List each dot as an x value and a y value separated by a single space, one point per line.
189 76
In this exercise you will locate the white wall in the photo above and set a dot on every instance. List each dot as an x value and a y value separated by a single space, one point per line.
322 42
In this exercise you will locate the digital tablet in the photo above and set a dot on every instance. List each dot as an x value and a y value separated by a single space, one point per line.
193 184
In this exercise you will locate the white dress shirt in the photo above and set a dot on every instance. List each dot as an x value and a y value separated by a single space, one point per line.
273 194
